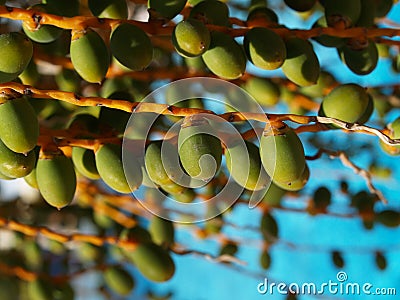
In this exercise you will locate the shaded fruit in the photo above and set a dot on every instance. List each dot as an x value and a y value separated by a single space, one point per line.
118 280
162 231
84 162
301 65
324 39
90 56
200 152
109 165
20 128
342 13
166 8
360 61
136 234
380 260
131 46
394 133
264 48
229 248
211 12
263 90
273 195
325 82
367 14
112 9
300 5
262 13
321 198
382 7
43 33
388 218
15 51
265 260
153 262
16 165
31 180
39 290
225 57
269 227
244 164
56 179
67 8
347 102
337 259
282 155
116 119
30 76
191 38
68 80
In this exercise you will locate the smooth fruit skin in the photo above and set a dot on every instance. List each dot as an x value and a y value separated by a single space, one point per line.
162 231
110 167
153 262
67 8
131 46
191 38
225 57
167 8
301 65
113 9
16 165
263 90
282 156
19 128
90 56
264 48
236 158
269 227
84 162
193 144
360 61
300 6
297 184
15 51
342 13
119 280
347 102
211 12
56 179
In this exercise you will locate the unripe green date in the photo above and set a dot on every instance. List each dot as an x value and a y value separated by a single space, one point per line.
264 48
90 56
297 184
167 8
56 179
360 61
162 231
119 280
15 51
211 12
300 6
301 65
68 81
327 40
109 165
84 162
191 38
131 46
19 128
112 9
16 165
269 227
67 8
282 155
342 13
39 290
263 90
225 57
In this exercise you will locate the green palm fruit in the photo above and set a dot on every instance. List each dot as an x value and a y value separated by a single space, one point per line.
269 228
368 111
115 118
167 9
195 146
360 61
173 188
195 64
131 46
347 102
88 252
109 165
185 196
380 260
263 90
325 81
367 14
89 55
85 122
265 260
262 13
31 180
264 48
300 5
297 184
67 8
282 155
389 218
39 290
273 195
230 248
68 80
112 9
211 12
119 280
4 177
44 33
225 57
155 163
60 47
237 157
16 52
16 165
136 234
337 259
321 198
162 231
327 40
364 202
85 163
153 262
30 76
20 128
56 178
301 65
63 291
342 13
382 7
394 133
191 38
